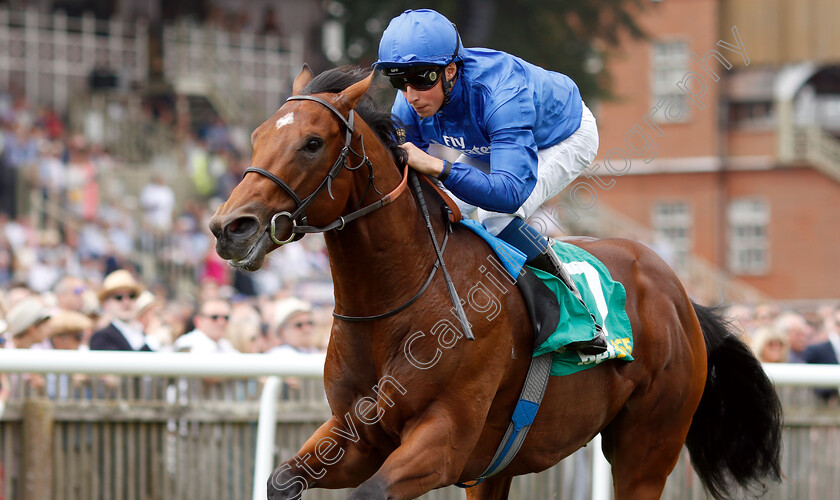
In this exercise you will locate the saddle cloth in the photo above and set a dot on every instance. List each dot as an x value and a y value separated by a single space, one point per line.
604 297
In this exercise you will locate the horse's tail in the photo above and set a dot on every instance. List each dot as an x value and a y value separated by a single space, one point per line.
735 436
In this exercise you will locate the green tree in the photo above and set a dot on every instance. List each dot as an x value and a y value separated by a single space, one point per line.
569 36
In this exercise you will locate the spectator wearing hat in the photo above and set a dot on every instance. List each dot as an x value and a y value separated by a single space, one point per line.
211 322
67 331
118 295
25 327
294 338
25 323
157 329
293 327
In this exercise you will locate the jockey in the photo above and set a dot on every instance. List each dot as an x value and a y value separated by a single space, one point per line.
524 132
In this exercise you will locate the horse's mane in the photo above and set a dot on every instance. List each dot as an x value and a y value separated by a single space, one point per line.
337 79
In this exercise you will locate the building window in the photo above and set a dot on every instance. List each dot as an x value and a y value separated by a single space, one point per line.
751 114
749 246
672 223
670 65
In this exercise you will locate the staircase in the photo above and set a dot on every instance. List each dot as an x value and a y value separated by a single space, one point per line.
126 133
244 75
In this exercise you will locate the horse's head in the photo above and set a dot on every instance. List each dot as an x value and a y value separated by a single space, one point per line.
300 174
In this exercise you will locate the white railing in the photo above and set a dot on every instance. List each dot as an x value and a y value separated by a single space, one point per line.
255 365
781 374
181 365
817 147
243 73
51 56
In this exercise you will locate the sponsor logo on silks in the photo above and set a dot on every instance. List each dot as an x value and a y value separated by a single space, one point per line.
454 142
459 143
623 348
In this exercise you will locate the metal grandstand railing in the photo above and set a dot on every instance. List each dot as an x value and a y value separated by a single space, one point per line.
123 128
50 56
245 75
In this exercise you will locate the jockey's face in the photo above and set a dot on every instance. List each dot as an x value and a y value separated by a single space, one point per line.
428 102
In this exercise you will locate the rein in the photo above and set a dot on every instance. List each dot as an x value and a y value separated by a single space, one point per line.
298 217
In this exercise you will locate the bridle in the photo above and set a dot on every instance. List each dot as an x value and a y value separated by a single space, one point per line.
298 218
300 227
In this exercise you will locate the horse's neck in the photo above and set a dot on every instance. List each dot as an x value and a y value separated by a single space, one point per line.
378 260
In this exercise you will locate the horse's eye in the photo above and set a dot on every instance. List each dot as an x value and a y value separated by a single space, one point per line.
313 145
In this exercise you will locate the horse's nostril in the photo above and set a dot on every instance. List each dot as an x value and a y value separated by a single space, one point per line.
243 226
216 226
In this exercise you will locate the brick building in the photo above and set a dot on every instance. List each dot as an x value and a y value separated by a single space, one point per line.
723 141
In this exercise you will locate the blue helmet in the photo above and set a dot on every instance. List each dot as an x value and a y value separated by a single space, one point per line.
419 37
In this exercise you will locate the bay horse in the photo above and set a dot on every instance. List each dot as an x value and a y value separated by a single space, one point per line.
416 405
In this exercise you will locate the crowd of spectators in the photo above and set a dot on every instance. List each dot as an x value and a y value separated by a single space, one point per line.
88 224
79 285
787 336
58 267
121 314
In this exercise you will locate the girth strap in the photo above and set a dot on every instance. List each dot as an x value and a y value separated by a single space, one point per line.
523 416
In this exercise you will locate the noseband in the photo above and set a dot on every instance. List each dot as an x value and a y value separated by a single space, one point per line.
298 217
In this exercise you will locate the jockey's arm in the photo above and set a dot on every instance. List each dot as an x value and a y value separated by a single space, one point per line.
508 123
512 176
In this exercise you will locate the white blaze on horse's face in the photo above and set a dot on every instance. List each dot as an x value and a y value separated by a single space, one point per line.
285 120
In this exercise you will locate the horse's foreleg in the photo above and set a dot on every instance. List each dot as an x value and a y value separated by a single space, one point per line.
432 454
335 456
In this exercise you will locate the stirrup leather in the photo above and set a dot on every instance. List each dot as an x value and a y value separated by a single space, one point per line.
549 262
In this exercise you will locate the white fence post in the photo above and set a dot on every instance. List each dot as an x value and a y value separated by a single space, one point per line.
601 472
782 374
266 430
254 365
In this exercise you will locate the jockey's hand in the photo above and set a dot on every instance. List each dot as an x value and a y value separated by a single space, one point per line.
421 161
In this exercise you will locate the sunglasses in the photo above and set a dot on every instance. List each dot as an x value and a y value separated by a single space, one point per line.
422 78
120 297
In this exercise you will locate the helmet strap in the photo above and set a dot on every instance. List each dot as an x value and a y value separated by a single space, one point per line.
447 90
447 85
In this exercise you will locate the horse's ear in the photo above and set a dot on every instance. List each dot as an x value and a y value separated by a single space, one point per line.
351 95
305 76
